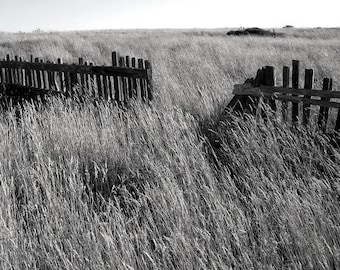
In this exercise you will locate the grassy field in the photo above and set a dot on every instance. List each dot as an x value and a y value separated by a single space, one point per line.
180 184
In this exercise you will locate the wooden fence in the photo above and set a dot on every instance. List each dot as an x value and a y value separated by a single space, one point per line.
296 103
128 78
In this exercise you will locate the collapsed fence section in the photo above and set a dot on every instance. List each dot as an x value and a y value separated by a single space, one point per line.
295 103
128 78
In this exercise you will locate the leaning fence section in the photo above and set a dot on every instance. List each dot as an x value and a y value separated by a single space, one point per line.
290 101
127 78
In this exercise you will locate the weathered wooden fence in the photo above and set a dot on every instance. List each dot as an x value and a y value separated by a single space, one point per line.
128 78
296 103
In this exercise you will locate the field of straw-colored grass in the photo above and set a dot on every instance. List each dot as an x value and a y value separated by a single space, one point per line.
84 187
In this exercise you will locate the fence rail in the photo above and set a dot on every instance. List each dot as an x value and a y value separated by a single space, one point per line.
250 94
283 94
127 78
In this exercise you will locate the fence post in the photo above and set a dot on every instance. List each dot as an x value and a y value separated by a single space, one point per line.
50 78
134 80
61 75
337 123
32 73
142 81
285 83
16 72
149 84
105 87
330 88
44 77
88 83
99 86
28 76
129 80
295 84
124 81
73 82
270 81
22 71
32 79
82 76
38 74
1 75
116 83
262 100
308 85
9 71
323 112
92 82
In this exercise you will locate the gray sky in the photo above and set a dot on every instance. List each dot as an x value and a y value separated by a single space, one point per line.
27 15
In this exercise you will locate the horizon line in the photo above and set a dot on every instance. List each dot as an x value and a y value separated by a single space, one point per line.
38 29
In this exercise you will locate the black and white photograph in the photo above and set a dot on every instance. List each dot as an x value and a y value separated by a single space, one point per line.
169 134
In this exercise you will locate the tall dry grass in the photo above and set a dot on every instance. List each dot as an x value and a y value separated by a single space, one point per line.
178 185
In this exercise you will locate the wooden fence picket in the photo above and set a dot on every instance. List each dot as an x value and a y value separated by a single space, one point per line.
149 79
295 84
116 80
337 123
308 85
285 84
141 81
323 113
124 80
134 80
269 80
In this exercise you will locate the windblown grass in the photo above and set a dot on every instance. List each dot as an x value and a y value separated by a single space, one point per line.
177 185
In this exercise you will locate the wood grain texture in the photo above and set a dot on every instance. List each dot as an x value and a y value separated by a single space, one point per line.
323 112
241 89
141 81
116 81
124 81
134 80
308 85
149 83
293 99
270 81
285 84
295 84
100 70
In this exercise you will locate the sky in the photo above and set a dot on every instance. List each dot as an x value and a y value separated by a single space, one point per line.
65 15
